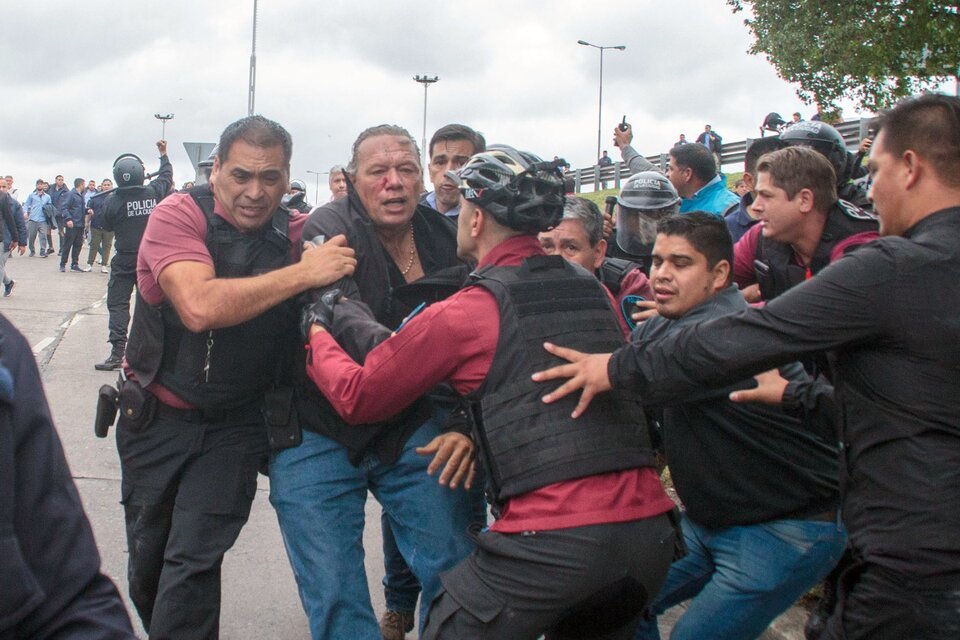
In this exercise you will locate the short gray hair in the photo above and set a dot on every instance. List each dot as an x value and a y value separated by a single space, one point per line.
588 213
381 130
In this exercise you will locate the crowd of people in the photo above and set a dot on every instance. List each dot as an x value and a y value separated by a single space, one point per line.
790 354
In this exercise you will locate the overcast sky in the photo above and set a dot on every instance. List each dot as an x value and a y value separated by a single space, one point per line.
83 80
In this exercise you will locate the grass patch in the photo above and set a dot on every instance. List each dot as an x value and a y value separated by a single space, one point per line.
599 197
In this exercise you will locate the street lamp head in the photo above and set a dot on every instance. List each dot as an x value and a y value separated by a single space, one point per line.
584 42
425 79
621 47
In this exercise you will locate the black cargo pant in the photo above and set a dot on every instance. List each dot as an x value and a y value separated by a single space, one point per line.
585 582
877 603
123 278
187 486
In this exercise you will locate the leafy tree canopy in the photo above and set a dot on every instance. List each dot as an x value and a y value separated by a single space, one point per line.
871 51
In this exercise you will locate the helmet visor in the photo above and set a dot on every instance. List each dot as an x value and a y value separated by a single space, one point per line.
637 229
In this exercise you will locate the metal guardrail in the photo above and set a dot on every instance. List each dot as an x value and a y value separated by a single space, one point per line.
733 153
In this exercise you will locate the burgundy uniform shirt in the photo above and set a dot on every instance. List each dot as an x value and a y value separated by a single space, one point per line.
454 340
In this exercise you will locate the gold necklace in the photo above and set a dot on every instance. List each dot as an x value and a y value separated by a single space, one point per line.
413 252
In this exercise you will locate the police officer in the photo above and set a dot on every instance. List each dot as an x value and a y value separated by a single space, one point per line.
827 141
645 198
125 212
592 504
296 198
213 333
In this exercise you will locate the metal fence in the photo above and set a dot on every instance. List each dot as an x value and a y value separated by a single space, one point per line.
733 152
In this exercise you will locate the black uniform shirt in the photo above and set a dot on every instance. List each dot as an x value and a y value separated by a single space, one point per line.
891 313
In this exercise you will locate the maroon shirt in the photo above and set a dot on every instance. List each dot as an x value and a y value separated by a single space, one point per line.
176 232
745 252
454 340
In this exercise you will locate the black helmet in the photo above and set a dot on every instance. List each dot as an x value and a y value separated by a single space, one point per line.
128 171
517 188
772 122
822 138
647 190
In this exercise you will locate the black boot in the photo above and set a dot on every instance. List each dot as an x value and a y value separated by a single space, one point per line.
114 360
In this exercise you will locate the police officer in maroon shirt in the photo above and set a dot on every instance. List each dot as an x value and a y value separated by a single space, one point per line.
583 535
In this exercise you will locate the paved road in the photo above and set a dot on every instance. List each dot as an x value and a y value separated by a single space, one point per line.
64 317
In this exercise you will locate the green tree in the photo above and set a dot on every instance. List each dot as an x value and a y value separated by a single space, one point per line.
871 51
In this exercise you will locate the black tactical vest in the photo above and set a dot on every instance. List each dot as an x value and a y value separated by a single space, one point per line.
526 443
612 271
229 367
775 267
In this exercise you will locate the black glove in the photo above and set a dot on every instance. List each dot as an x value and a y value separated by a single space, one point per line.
320 312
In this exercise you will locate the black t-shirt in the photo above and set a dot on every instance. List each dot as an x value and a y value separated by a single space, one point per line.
740 464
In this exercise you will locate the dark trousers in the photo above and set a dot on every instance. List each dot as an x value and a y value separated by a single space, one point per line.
882 604
187 486
72 243
585 582
123 278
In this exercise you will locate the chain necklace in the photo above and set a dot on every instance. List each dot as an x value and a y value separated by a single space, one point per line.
413 252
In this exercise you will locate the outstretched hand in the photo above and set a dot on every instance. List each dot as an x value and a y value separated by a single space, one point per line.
587 371
454 452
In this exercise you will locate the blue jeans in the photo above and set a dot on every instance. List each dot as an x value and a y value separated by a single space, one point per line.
400 586
741 578
319 498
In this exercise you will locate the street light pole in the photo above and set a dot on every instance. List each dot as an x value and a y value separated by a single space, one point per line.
163 127
619 47
316 195
252 85
426 81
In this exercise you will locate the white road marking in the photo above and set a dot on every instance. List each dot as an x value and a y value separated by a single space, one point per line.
43 344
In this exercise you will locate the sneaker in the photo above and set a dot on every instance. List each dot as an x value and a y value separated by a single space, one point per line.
33 253
112 363
75 267
63 268
7 288
50 251
44 254
86 268
394 625
104 269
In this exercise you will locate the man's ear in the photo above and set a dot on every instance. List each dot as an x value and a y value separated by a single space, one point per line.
721 275
806 199
601 253
749 183
913 166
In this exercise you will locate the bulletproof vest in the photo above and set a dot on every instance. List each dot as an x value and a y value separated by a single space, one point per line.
129 209
232 366
775 267
613 270
525 443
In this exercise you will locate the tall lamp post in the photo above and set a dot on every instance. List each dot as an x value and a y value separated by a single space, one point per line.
619 47
316 194
252 85
426 81
163 127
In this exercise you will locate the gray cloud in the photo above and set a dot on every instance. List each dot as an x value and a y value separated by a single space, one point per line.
82 82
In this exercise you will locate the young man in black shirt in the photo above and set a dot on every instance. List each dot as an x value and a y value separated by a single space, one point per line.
759 483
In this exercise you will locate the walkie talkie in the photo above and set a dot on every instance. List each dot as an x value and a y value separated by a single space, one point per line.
623 124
